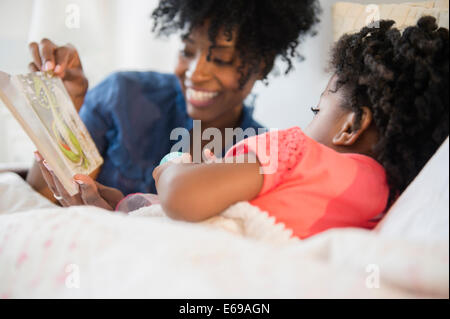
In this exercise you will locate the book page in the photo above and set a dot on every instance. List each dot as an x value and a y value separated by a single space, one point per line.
43 107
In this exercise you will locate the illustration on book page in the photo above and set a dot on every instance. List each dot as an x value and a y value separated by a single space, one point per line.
48 101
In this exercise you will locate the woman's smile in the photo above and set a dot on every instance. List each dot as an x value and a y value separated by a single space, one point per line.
201 98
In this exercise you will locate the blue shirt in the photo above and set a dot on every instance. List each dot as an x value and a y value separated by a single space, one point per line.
130 116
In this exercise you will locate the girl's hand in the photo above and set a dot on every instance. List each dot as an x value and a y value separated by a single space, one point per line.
65 63
186 158
91 192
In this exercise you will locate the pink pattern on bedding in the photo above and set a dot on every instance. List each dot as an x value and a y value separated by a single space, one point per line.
22 258
48 243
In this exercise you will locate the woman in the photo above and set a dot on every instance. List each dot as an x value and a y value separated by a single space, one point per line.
369 139
227 47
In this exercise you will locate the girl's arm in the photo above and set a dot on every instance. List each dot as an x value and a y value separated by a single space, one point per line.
195 192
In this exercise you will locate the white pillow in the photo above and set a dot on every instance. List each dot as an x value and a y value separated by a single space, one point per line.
422 212
17 195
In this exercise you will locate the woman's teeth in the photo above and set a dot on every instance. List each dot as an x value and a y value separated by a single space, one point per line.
200 96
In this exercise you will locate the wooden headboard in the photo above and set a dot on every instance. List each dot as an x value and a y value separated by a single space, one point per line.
351 17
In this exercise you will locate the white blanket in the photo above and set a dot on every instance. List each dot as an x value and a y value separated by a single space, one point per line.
91 253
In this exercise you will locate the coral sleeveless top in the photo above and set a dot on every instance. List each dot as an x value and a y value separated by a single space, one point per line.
311 188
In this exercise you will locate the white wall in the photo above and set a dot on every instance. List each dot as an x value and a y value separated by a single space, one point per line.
112 35
288 100
115 35
14 27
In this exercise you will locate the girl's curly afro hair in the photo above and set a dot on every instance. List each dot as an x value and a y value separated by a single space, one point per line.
403 78
266 28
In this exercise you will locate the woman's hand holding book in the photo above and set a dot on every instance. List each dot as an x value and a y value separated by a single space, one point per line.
91 192
64 62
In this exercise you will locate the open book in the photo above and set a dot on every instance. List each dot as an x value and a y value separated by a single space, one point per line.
44 109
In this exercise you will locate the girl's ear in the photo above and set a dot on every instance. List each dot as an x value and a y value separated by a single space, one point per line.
351 130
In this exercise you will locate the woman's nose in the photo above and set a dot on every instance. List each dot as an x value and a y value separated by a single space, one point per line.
199 70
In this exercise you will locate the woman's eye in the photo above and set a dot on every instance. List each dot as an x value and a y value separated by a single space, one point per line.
315 110
222 63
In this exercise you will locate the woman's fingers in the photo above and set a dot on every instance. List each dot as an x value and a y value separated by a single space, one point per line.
209 156
49 57
47 52
186 158
64 198
67 199
50 180
64 58
65 63
34 50
46 173
32 67
55 185
89 192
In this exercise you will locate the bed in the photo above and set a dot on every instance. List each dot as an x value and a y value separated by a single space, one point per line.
86 252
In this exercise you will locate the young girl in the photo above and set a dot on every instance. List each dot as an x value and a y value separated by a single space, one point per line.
382 116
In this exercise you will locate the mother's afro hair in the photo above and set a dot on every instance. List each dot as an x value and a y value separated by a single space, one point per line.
266 28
